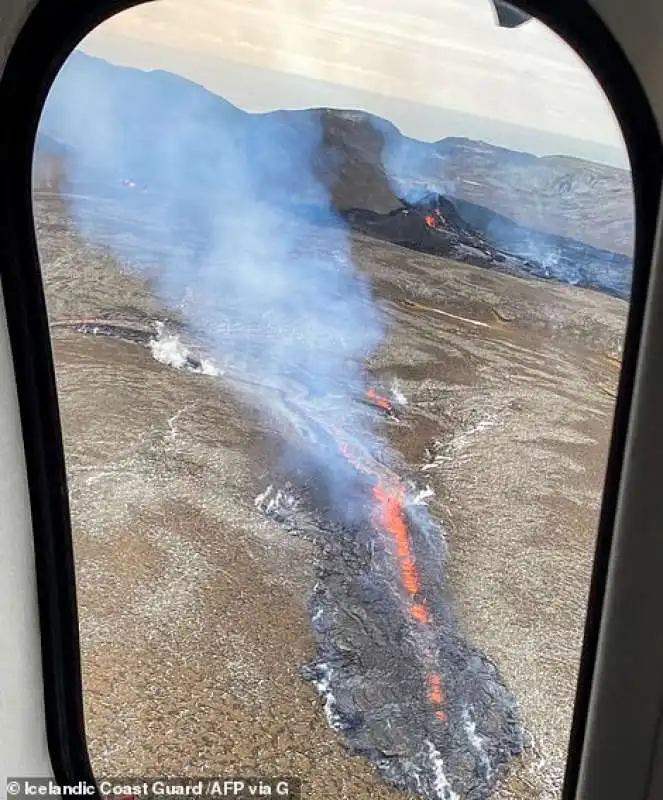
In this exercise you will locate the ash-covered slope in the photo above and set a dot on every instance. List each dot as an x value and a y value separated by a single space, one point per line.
170 139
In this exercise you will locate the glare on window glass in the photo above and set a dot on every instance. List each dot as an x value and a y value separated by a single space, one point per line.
337 293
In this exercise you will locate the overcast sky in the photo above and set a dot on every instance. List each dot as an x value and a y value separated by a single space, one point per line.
434 67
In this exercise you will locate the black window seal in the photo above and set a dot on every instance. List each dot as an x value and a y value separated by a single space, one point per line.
580 26
51 32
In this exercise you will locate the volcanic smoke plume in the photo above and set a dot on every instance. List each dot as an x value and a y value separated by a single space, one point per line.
274 296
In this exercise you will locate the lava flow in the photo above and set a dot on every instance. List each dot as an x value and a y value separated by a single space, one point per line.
409 693
434 218
372 398
406 690
389 517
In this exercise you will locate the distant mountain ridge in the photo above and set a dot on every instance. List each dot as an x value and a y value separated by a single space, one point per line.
166 133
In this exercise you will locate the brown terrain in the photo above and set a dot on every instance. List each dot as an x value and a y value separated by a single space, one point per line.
194 603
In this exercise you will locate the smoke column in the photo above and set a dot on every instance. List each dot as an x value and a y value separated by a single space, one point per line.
211 217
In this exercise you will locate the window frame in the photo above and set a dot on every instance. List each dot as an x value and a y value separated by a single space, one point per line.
50 33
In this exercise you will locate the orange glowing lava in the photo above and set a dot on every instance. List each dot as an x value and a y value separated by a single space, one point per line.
378 400
391 518
392 521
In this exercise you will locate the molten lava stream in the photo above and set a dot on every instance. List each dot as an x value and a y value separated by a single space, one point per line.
378 400
391 518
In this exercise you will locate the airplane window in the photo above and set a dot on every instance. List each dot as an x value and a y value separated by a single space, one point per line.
337 294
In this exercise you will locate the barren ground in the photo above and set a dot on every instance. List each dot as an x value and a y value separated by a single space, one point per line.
193 604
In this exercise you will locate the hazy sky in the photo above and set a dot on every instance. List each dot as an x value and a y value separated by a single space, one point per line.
434 67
